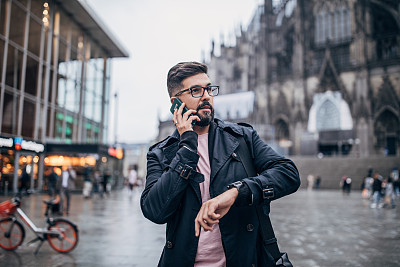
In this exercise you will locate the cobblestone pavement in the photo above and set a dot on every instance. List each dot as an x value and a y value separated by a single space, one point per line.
326 228
316 228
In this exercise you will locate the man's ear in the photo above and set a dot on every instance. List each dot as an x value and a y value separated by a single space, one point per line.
172 99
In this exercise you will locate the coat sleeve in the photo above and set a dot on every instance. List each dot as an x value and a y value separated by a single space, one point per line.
165 187
277 174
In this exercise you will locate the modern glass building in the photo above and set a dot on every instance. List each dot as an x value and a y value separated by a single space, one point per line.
55 60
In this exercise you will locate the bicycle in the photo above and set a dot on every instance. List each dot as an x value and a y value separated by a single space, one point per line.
61 234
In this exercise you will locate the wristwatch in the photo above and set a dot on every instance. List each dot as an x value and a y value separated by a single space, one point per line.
236 185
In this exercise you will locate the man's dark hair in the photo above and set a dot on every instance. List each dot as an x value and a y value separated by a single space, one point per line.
181 71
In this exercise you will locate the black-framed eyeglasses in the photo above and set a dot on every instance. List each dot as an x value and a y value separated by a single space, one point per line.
198 91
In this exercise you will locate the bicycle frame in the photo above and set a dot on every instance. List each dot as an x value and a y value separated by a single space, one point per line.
33 227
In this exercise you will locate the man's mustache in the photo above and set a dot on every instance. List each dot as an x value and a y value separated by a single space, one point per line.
204 104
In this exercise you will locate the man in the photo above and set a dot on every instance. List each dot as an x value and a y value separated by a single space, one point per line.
87 183
67 184
52 180
188 175
377 191
25 182
105 182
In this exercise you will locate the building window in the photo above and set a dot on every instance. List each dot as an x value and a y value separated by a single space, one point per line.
17 24
328 117
59 126
1 55
31 76
14 70
386 34
386 129
10 108
35 33
334 27
3 19
71 123
28 119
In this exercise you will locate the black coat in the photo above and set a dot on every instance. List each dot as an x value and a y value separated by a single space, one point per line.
377 185
169 198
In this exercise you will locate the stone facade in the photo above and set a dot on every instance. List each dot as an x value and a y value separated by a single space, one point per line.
345 52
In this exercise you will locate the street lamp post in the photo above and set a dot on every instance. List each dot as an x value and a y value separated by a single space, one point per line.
115 117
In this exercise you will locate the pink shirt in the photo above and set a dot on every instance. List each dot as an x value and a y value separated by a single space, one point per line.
210 251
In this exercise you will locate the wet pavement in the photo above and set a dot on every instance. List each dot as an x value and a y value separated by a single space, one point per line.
316 228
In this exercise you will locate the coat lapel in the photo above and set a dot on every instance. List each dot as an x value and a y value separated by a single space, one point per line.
224 145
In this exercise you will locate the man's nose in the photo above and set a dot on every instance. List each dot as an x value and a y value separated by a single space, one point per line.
206 96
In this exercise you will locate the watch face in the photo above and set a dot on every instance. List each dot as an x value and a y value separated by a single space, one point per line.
236 185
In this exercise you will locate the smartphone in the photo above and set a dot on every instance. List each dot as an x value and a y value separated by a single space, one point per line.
176 104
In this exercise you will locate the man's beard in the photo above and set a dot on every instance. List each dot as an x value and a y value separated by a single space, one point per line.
208 116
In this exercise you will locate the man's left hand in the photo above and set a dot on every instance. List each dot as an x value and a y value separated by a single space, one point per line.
214 209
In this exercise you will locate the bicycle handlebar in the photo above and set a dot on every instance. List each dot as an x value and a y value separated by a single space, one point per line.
16 200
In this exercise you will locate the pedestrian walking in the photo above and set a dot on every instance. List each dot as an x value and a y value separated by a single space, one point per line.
52 182
105 182
346 184
310 182
66 185
87 183
97 181
377 191
25 180
396 181
197 183
317 182
388 193
367 187
132 178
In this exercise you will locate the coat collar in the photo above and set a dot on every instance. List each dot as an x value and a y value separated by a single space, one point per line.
222 143
217 123
233 128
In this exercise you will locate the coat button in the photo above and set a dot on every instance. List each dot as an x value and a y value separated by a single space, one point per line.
169 244
250 227
234 155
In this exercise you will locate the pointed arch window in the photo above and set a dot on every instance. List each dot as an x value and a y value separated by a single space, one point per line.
281 130
328 116
387 132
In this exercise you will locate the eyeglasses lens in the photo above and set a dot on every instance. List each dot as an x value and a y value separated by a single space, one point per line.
199 91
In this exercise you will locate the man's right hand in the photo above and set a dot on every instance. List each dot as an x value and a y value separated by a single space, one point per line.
184 123
214 209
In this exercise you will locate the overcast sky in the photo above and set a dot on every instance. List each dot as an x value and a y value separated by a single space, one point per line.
158 34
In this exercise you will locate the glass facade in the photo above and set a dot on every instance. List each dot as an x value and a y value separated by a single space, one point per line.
54 75
52 85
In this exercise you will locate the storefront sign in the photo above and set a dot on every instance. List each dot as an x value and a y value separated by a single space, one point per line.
6 142
116 152
21 144
32 146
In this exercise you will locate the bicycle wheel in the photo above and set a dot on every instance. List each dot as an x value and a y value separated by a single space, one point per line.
67 239
10 240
